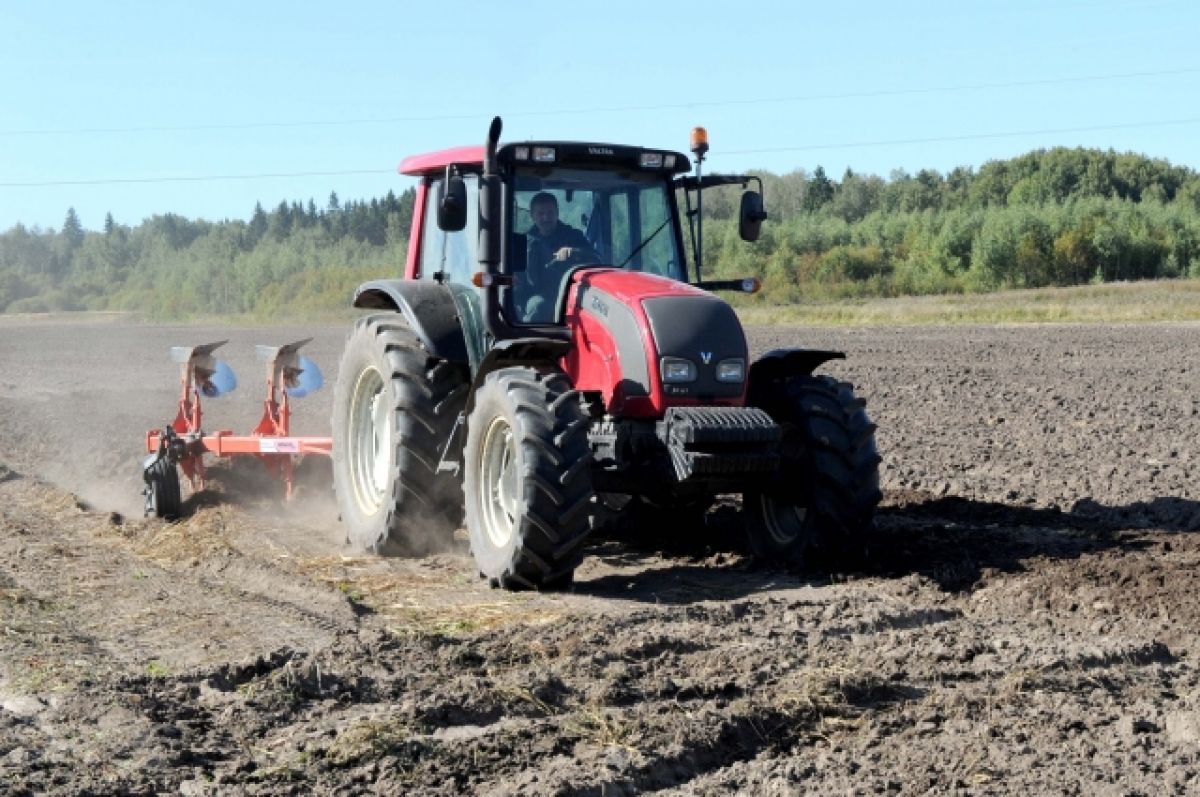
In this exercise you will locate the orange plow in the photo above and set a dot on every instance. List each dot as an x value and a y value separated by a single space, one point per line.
182 445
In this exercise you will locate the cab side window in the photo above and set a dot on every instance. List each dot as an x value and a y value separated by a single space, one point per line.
622 243
450 253
657 255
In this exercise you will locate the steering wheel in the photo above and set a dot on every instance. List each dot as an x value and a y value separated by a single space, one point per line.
540 260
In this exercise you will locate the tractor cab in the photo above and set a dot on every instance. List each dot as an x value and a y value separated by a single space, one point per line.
581 205
561 208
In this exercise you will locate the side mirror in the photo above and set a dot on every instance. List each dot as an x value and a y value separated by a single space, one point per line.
452 204
751 215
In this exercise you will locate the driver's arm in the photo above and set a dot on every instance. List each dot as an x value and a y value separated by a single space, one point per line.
578 249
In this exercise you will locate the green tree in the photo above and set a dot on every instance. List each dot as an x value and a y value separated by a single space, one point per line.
258 223
1058 216
856 196
819 191
72 230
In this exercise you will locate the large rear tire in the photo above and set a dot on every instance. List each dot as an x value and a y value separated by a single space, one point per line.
394 408
527 479
820 505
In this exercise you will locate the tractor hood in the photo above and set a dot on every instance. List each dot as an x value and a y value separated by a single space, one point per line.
626 323
633 286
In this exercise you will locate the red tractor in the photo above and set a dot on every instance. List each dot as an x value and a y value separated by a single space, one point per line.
538 372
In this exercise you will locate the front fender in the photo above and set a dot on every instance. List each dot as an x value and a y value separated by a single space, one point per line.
783 363
546 352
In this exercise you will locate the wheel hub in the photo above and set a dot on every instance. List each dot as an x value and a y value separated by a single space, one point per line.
783 520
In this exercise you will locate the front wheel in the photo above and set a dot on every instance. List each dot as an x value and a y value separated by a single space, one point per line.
821 502
527 479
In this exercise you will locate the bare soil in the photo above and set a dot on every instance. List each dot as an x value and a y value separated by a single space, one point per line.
1026 620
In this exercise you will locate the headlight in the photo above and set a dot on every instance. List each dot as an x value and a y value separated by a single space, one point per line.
731 371
543 154
651 160
677 369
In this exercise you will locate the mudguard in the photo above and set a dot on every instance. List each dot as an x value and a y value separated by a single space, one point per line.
505 353
782 363
428 307
518 351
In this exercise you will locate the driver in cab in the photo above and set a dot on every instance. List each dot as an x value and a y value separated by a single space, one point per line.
552 246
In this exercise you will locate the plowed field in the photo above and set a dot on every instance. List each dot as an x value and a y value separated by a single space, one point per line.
1027 622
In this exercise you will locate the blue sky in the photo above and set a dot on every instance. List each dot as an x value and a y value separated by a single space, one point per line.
129 97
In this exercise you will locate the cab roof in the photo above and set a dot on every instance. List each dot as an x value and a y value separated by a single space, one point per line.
436 162
575 152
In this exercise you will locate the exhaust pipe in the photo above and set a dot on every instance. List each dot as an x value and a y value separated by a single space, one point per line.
492 223
491 229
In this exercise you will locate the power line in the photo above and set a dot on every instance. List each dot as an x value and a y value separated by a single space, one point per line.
608 109
757 151
191 178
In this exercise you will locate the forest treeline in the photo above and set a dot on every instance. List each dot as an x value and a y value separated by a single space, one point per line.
1051 217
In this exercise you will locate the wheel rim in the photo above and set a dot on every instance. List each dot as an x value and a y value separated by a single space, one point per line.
783 521
498 482
152 495
370 441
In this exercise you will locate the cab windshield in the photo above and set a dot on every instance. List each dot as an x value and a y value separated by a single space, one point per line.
564 218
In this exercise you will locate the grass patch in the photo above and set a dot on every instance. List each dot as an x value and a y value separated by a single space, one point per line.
465 619
366 740
603 727
1125 302
1143 301
201 536
833 690
421 600
156 669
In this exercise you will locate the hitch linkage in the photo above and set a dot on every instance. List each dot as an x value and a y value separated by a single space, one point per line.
170 447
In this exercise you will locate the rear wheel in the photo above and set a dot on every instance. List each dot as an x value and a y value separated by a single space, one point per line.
163 499
527 479
394 408
821 502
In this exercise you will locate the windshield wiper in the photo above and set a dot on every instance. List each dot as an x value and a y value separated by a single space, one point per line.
645 241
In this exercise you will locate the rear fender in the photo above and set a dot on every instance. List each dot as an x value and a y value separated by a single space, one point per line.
784 363
430 310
